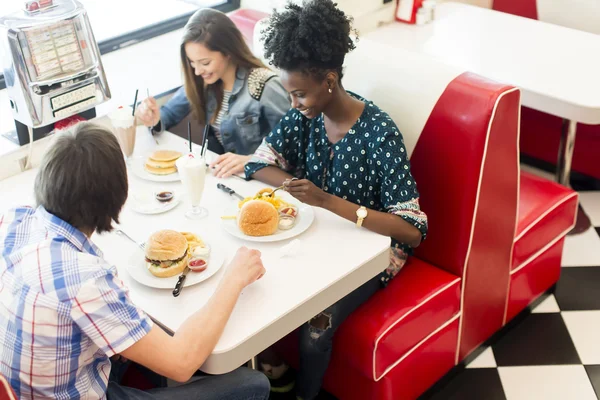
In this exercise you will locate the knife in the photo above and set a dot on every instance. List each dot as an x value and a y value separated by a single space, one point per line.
180 281
229 191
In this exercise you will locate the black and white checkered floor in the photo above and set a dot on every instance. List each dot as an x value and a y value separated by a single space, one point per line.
554 352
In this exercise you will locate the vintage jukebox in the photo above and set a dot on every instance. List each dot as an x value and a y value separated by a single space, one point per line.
52 66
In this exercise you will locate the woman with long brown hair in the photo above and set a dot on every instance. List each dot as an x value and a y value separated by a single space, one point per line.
225 86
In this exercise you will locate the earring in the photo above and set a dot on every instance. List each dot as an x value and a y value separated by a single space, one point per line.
330 91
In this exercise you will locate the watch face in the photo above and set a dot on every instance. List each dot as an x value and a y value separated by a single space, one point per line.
361 213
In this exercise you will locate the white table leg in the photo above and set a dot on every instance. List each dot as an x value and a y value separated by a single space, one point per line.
253 363
565 152
563 170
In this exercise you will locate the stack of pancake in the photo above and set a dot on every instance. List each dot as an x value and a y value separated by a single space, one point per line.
162 162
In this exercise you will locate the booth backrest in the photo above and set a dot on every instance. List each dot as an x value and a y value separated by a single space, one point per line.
462 133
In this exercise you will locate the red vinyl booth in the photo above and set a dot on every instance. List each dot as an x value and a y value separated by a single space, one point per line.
451 296
495 234
6 391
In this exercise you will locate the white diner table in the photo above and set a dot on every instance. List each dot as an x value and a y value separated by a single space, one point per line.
556 68
334 258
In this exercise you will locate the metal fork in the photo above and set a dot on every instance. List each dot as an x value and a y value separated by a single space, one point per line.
271 193
122 233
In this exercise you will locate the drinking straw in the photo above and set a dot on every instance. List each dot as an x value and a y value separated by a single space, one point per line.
134 103
190 135
204 140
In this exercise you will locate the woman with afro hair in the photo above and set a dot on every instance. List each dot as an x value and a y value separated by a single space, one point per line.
348 157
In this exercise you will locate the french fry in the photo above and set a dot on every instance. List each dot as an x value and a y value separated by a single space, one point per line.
263 195
193 240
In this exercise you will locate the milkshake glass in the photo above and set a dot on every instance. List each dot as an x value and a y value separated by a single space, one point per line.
192 170
124 128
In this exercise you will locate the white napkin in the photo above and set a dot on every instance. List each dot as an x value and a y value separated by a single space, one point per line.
290 249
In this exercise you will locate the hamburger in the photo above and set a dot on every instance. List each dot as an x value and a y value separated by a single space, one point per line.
258 218
166 253
162 162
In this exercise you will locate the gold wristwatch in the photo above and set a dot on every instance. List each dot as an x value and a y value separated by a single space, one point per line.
361 214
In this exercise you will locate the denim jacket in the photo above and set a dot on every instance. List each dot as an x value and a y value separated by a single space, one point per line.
258 102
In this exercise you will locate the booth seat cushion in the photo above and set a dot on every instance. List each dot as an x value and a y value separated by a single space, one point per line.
416 303
246 20
547 212
6 391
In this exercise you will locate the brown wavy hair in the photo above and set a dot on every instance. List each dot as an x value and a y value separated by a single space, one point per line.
217 32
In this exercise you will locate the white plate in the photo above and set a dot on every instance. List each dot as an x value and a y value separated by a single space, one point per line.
145 202
306 216
137 167
138 271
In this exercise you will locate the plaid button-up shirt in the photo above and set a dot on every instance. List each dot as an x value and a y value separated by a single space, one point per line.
63 309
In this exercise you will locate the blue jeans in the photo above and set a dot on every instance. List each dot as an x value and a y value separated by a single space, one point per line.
316 338
241 384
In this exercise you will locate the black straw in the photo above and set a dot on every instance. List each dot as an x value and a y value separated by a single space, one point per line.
190 135
204 140
134 103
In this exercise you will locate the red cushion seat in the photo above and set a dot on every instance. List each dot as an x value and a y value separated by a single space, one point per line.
6 391
546 213
416 303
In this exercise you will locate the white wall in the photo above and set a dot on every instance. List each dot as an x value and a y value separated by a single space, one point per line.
583 15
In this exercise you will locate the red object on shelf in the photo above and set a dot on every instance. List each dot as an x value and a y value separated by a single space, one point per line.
246 20
406 10
68 122
32 6
524 8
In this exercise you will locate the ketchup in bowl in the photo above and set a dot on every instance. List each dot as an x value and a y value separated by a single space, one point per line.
197 264
289 211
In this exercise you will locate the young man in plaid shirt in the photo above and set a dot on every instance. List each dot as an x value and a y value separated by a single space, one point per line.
65 316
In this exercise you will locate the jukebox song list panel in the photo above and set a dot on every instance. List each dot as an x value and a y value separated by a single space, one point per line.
54 50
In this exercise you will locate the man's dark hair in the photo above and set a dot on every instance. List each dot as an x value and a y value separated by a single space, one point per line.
83 178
